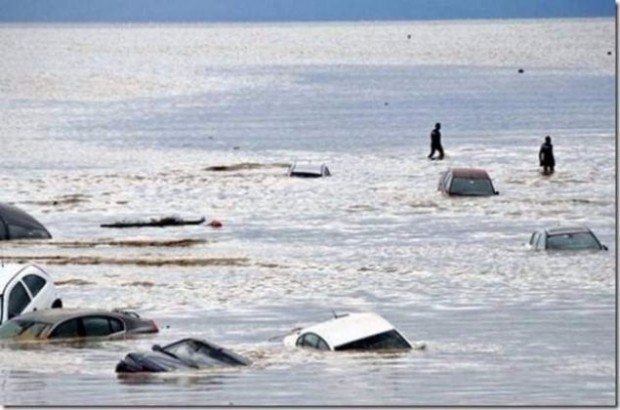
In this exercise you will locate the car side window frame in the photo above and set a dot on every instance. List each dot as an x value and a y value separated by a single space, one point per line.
18 285
542 241
78 325
4 230
34 291
448 184
108 320
319 343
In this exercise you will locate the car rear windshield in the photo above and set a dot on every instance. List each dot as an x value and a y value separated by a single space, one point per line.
203 355
473 187
578 240
387 340
21 328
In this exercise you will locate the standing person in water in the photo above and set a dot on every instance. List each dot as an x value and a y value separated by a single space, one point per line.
436 142
547 160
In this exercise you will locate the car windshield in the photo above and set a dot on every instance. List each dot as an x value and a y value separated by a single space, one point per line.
201 354
386 340
22 328
577 240
473 187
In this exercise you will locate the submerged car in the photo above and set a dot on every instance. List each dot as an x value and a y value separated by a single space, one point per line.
354 331
184 354
565 238
466 182
308 170
25 288
65 324
17 224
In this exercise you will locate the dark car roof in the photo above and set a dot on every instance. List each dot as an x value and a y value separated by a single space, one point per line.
12 215
52 316
567 229
471 173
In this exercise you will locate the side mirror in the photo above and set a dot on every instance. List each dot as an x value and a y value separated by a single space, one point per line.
496 192
157 348
605 248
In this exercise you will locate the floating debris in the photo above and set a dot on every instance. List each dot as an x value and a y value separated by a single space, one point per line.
158 223
215 224
243 166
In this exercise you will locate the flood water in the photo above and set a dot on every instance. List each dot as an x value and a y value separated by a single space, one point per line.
102 123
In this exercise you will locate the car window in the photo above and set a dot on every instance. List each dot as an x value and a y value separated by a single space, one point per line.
96 326
541 241
312 340
116 325
578 240
18 300
309 340
22 328
68 328
35 283
12 328
386 340
26 232
474 187
2 230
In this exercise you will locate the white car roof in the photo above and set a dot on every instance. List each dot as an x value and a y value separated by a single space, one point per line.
349 328
8 272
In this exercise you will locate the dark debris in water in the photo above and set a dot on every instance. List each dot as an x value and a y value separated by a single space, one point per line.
244 166
155 222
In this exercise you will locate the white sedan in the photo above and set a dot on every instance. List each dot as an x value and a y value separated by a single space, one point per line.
355 331
25 288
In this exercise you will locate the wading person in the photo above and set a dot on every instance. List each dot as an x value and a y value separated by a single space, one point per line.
436 142
545 156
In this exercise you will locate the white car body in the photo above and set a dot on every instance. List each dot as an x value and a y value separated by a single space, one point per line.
308 170
343 330
25 288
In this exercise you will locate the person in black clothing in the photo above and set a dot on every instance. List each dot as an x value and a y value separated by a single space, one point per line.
436 142
547 160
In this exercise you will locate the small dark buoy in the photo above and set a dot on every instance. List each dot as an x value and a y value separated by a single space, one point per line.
215 224
409 36
521 71
609 53
386 103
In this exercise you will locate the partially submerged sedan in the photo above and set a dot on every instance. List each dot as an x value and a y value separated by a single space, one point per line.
17 224
466 182
308 170
354 331
565 238
185 354
54 324
25 288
